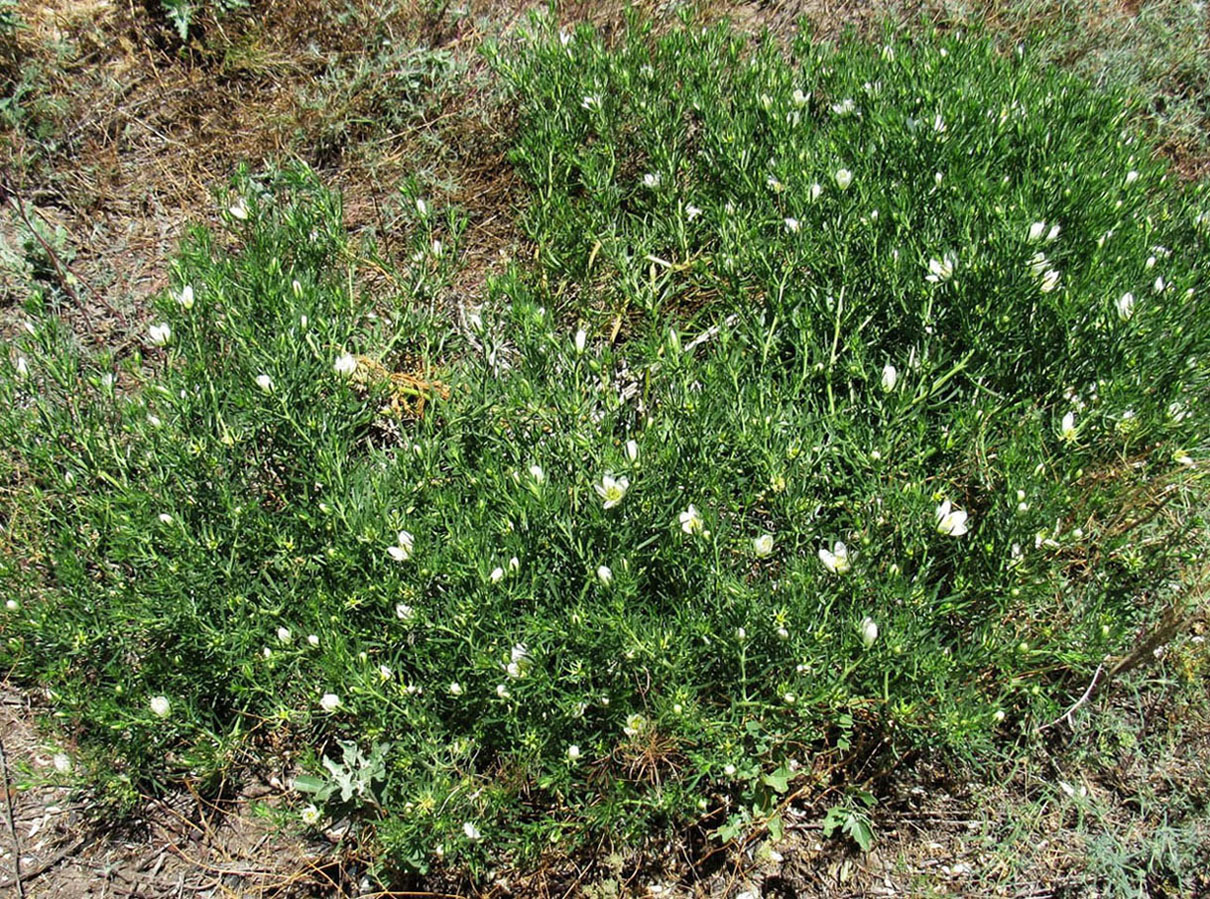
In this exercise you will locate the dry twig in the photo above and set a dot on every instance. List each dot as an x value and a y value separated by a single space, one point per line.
12 827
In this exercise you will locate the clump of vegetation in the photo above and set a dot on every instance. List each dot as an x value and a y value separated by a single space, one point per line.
1156 53
371 97
184 15
9 20
841 407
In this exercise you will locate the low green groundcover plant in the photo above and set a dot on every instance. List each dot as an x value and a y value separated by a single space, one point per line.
848 399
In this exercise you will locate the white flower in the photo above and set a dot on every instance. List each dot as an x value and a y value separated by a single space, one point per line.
1125 305
313 639
741 634
951 521
790 698
160 334
161 706
1158 286
729 770
762 546
890 377
62 762
799 99
404 612
843 178
264 382
837 559
185 297
455 689
346 364
1070 791
845 107
502 691
1050 281
581 341
329 702
635 725
942 269
632 451
612 489
154 421
939 124
536 472
514 564
869 631
1053 233
297 289
401 551
1036 230
1038 264
12 605
1132 176
590 102
816 190
310 815
604 575
422 207
471 831
573 752
165 518
284 635
938 178
385 673
651 180
238 209
1067 430
792 225
497 575
22 367
691 521
692 212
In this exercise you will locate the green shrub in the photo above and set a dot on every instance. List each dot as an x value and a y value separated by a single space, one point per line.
1157 53
597 581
